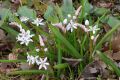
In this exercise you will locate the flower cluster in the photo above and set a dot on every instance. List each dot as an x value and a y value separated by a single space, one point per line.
93 29
71 24
39 61
24 37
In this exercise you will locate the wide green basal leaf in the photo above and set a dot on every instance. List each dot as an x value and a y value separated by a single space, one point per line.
67 7
112 21
5 13
27 12
50 14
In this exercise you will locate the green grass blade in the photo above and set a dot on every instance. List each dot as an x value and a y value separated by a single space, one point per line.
6 61
72 51
61 66
9 30
109 62
29 72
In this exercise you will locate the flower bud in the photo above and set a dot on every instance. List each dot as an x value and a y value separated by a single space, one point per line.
69 16
86 22
65 21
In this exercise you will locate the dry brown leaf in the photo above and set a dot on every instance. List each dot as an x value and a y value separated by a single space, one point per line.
106 27
104 4
115 43
25 66
92 75
2 35
93 70
5 67
116 56
12 56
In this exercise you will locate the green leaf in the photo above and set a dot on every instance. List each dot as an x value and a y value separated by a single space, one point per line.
71 50
100 11
67 7
59 12
112 21
109 62
85 10
27 12
61 66
6 61
9 30
29 72
51 15
5 13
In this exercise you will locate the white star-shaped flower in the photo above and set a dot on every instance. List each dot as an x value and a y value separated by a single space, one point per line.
94 29
24 37
38 21
42 63
71 26
37 49
31 59
24 19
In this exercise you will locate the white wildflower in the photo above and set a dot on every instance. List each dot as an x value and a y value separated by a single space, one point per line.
38 21
28 58
24 19
42 63
45 49
31 59
14 23
37 50
86 22
69 15
65 21
74 17
94 29
71 25
92 37
41 41
24 37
